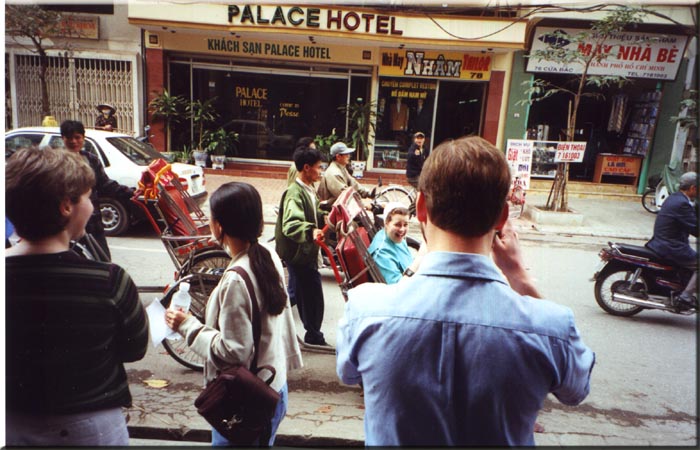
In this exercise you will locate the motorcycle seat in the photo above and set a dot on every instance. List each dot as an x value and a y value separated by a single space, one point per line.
643 252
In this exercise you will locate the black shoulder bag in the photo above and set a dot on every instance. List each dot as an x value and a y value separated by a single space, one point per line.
237 403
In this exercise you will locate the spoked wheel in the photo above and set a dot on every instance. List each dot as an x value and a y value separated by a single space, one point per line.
207 261
201 286
395 194
649 201
618 280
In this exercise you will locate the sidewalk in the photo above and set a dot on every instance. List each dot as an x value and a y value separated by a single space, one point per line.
322 411
615 219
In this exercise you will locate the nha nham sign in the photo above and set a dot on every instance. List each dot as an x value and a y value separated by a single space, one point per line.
626 54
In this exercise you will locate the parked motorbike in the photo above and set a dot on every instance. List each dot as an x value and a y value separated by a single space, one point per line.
633 278
656 193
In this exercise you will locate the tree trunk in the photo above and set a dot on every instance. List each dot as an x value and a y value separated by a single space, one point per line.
43 68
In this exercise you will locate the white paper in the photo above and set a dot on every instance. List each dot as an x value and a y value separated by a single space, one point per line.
156 321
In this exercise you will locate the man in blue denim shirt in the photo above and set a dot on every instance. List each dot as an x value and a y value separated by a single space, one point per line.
464 352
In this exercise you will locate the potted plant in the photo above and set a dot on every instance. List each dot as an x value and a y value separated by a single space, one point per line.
185 156
201 113
217 144
167 107
362 117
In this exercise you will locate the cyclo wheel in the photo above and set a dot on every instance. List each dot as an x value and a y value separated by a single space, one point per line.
203 273
395 194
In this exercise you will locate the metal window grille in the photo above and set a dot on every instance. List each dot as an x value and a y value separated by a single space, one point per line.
76 86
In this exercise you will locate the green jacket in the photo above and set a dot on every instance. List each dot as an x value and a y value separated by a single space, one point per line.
295 224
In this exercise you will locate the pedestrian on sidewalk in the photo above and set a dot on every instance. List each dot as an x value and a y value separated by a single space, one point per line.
677 219
464 352
299 224
226 337
73 323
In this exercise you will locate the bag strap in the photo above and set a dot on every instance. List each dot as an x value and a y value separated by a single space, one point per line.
256 315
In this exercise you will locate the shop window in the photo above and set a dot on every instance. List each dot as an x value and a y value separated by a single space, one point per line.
404 107
618 121
269 112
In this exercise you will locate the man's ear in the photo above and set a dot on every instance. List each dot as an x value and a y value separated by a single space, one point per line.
421 208
503 218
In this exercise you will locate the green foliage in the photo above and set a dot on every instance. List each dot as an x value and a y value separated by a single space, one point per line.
362 118
201 113
324 143
168 107
186 154
688 118
218 142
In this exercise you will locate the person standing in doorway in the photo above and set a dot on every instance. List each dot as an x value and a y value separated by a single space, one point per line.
73 135
417 154
298 227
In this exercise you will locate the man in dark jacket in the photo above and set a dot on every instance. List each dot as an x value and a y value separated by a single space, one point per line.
676 220
299 224
415 158
73 135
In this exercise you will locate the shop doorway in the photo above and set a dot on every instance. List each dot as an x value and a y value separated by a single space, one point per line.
460 109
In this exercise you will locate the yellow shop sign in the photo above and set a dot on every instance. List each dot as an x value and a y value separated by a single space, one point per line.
435 64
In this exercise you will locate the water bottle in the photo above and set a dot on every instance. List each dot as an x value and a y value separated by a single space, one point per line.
181 299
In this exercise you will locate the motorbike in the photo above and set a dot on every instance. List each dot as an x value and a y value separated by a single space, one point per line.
655 194
634 278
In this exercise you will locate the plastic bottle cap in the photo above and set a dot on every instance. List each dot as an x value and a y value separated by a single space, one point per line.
184 287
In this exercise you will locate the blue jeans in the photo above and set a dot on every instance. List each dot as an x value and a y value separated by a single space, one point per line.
217 440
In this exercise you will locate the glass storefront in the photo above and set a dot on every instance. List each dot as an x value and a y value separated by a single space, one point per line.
270 112
406 106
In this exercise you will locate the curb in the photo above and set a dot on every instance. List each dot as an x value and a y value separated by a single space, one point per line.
199 435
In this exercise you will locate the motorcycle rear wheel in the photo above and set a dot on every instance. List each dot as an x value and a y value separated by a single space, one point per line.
649 201
611 281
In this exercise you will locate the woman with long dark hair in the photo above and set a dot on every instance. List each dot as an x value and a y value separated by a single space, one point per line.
226 337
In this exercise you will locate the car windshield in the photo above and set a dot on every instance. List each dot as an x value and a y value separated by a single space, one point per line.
140 153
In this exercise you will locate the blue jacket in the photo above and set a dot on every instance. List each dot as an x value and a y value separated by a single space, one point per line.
676 220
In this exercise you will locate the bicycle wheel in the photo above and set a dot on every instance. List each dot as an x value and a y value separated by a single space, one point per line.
201 286
395 194
206 260
649 201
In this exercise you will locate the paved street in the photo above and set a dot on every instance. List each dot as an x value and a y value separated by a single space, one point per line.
643 386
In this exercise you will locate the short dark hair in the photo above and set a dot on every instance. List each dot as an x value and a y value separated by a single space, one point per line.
36 182
304 141
70 127
465 183
306 155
